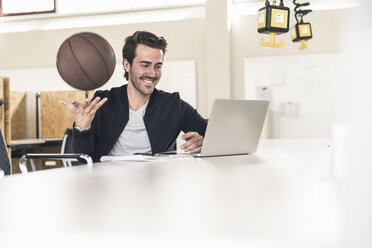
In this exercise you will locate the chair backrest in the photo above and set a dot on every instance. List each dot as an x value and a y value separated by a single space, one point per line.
67 142
66 146
5 164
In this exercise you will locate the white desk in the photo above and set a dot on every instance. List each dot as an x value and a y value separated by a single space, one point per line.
274 198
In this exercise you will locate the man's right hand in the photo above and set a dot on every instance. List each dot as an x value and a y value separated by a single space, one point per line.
84 112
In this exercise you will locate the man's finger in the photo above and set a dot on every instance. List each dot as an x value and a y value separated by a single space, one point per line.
99 104
192 143
196 150
195 144
93 103
192 140
189 135
63 101
68 104
85 104
75 103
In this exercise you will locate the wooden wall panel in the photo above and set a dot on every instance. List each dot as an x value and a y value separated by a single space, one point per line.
55 117
7 123
18 115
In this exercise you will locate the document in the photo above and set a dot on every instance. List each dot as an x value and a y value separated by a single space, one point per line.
142 158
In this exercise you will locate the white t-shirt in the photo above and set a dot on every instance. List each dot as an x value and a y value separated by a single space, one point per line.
134 137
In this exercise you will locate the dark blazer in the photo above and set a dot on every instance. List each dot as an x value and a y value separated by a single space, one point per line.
166 116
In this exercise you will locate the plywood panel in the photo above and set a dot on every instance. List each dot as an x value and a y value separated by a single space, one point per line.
18 115
7 123
55 117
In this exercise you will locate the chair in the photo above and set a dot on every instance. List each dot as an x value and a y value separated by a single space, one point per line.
66 147
5 165
67 157
24 158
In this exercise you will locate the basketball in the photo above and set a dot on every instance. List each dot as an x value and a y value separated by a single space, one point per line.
85 61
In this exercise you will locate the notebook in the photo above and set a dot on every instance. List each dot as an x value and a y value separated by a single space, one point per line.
234 127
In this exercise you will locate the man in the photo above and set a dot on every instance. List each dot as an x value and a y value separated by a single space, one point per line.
136 118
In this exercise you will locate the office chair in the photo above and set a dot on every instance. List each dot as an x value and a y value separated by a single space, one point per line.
5 165
24 158
67 157
66 148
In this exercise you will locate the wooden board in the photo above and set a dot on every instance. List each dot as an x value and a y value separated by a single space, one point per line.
7 121
55 117
18 115
4 108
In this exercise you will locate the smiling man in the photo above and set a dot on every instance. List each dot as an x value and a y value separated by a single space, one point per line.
136 117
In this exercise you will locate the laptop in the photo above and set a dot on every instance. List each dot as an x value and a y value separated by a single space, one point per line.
234 127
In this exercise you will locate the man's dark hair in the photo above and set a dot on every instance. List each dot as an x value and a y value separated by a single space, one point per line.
141 37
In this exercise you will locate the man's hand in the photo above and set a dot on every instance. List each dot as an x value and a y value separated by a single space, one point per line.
84 112
193 143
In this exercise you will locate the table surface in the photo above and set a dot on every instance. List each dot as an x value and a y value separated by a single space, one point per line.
30 143
278 197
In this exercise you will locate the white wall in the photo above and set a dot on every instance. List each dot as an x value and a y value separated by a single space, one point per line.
327 90
357 159
38 49
327 26
187 41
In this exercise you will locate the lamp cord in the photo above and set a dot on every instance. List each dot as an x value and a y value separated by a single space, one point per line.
300 12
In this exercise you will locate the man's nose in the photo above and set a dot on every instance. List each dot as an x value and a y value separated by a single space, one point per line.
151 72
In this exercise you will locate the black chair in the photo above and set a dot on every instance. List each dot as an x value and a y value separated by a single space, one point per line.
58 156
66 148
67 141
67 157
5 164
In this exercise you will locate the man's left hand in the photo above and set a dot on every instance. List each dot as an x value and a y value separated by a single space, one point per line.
193 143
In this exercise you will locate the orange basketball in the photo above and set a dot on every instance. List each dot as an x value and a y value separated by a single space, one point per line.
85 61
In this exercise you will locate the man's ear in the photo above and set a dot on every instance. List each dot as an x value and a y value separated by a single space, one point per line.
126 65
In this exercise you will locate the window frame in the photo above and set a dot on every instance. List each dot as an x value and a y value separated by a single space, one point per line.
2 14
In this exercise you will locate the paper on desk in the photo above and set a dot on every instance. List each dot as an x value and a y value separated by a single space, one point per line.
139 158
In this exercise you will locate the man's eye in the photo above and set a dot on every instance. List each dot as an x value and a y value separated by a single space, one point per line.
158 67
145 66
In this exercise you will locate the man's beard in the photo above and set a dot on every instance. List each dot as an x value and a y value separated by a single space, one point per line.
137 86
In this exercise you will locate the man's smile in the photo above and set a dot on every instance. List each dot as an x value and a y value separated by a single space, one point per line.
148 80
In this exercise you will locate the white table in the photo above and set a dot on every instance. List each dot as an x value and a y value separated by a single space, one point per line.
277 197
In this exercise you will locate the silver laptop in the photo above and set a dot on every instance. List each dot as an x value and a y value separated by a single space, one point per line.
234 127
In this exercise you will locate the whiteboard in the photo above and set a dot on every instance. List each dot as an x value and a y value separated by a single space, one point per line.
306 92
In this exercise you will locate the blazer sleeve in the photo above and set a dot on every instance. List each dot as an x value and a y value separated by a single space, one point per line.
192 120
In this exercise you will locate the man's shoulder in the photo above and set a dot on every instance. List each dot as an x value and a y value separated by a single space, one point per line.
115 91
161 94
170 100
